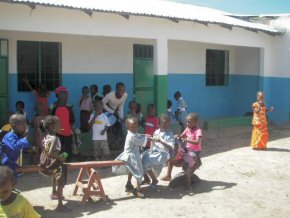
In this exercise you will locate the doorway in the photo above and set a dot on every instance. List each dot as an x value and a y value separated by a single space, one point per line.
143 75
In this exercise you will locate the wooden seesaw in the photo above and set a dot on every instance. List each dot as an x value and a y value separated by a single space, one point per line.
90 186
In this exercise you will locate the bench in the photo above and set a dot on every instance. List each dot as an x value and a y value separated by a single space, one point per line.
227 122
90 186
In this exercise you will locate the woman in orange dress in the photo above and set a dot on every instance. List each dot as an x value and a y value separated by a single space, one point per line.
260 129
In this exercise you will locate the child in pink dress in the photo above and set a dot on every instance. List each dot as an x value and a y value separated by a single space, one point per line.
151 122
192 136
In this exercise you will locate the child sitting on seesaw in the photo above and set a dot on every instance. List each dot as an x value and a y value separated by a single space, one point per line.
131 156
13 204
192 136
159 152
52 161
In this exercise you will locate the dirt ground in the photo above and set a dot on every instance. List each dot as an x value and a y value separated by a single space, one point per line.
235 182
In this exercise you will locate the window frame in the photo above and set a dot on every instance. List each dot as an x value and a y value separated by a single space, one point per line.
41 51
220 66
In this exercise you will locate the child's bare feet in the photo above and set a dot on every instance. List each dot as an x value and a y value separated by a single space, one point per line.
62 208
166 178
129 187
154 184
138 193
54 196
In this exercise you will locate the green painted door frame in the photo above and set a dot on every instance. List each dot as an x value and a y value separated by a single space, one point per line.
4 97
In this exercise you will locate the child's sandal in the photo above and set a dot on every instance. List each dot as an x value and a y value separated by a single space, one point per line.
129 187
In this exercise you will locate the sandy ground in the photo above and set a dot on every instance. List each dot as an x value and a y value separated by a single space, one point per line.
235 182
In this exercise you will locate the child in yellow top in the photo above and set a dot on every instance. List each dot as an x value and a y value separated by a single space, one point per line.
13 204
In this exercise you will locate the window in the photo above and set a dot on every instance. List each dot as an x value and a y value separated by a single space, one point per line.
143 51
39 62
217 67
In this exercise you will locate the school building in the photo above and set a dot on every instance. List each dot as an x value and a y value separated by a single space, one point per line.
218 61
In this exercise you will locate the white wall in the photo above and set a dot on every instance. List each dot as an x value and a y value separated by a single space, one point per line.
190 57
281 49
82 54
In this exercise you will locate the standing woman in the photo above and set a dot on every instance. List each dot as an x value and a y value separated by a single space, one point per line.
260 126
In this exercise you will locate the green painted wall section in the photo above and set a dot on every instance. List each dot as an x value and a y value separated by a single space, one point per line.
160 93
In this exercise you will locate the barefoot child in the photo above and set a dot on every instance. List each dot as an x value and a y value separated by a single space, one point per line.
181 111
192 136
163 143
131 156
13 204
14 141
99 123
51 161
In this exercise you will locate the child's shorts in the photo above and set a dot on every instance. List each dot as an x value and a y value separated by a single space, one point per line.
191 158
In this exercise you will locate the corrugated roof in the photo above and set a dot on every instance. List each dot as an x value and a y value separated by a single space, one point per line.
155 8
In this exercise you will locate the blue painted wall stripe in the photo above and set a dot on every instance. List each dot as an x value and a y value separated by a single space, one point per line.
209 102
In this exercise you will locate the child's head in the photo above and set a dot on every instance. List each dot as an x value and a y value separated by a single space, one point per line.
177 95
94 89
40 109
85 91
62 95
18 123
133 107
120 89
132 124
98 107
7 182
19 106
42 88
169 104
50 124
191 120
106 89
260 96
151 110
164 122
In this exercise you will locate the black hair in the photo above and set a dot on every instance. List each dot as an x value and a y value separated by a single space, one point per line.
21 103
132 102
95 87
163 118
85 87
193 116
177 93
169 103
47 122
16 119
138 108
106 89
119 84
6 175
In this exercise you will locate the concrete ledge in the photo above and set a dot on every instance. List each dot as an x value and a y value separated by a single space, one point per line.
227 122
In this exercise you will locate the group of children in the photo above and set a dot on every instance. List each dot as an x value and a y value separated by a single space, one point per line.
164 148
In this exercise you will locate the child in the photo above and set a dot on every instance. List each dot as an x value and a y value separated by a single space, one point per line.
260 130
106 89
51 161
85 104
100 123
66 116
192 136
170 112
41 94
163 144
94 93
14 141
13 204
151 121
181 112
20 109
133 111
39 116
131 156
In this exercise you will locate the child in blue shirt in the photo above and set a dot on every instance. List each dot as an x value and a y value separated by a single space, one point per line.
14 141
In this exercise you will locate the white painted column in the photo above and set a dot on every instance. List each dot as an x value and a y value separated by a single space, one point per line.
161 74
